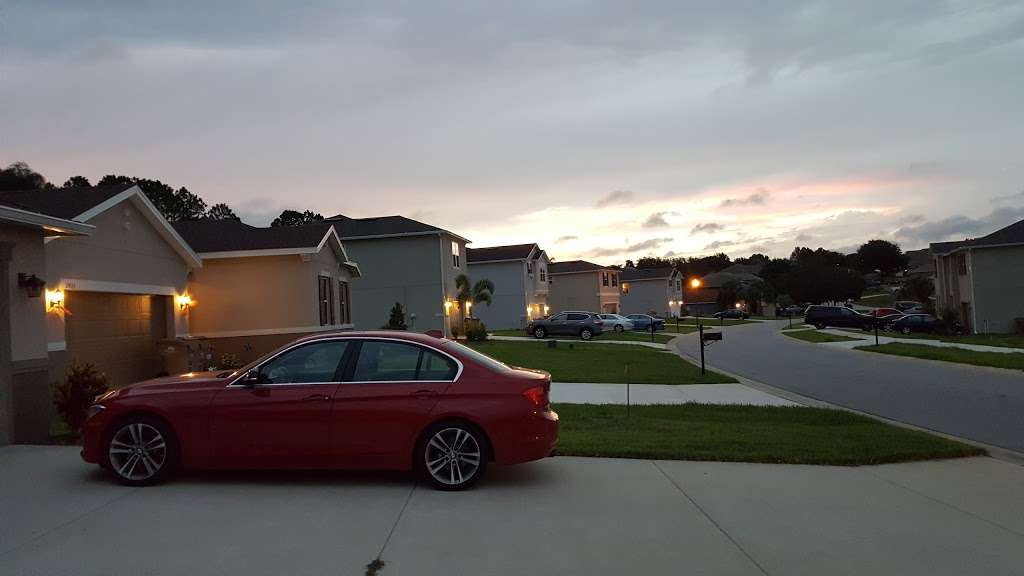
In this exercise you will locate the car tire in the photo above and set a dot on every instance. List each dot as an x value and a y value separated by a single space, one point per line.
452 456
539 333
141 451
866 327
619 328
906 330
820 325
586 334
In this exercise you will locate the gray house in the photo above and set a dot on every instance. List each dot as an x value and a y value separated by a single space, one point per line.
655 291
582 285
982 279
520 276
403 260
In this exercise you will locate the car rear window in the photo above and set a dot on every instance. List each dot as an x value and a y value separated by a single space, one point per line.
479 357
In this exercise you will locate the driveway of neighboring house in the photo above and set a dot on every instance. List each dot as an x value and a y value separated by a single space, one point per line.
557 516
982 404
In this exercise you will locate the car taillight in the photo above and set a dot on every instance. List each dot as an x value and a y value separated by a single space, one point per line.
538 396
598 322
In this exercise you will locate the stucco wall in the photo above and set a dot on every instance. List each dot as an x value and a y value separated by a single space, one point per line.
508 306
998 275
579 291
263 293
414 270
654 295
27 323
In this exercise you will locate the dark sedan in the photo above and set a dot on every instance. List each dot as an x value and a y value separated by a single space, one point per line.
925 323
732 314
643 322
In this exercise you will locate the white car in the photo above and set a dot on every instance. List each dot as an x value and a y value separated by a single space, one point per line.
618 323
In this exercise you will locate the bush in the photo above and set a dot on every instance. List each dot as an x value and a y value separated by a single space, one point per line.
950 319
396 320
229 360
476 332
73 397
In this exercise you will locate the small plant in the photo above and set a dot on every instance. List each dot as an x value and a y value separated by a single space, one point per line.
950 319
396 321
476 332
229 360
73 397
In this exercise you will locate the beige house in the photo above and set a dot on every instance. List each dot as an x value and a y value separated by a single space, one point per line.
109 293
582 285
260 288
982 279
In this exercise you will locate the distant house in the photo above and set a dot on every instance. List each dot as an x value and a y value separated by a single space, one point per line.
113 269
520 276
260 288
655 291
704 298
582 285
919 263
405 261
982 279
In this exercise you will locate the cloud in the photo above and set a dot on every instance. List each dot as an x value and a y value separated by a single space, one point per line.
1018 197
566 238
649 244
958 227
706 228
804 238
717 244
615 198
757 198
656 220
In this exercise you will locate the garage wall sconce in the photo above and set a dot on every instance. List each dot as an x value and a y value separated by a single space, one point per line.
54 299
32 284
447 307
184 301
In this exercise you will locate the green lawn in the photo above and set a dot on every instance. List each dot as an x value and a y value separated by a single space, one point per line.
817 337
771 434
884 300
1010 360
599 363
1001 340
659 337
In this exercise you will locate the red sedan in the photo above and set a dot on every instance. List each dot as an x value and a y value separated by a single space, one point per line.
359 400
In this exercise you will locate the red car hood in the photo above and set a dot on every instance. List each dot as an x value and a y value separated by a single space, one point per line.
189 380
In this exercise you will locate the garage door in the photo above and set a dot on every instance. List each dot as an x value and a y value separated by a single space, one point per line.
117 333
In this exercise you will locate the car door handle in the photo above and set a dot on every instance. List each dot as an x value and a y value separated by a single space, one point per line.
316 398
424 393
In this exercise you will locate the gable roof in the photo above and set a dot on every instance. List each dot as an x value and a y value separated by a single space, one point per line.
81 204
574 266
738 268
383 227
50 225
641 274
234 239
719 279
920 261
500 253
1008 235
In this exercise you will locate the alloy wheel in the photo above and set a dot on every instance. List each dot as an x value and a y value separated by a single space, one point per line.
452 456
137 452
586 334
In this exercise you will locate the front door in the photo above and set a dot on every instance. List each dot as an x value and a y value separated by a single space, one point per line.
283 418
385 400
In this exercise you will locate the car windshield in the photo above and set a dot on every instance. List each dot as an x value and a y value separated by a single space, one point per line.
478 356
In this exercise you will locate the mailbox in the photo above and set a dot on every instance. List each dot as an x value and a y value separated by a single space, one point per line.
711 336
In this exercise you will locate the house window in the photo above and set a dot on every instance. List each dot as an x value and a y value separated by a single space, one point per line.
344 302
326 297
543 274
615 279
961 263
625 287
679 284
604 279
529 267
456 256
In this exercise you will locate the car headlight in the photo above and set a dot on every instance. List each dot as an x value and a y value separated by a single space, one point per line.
106 395
94 410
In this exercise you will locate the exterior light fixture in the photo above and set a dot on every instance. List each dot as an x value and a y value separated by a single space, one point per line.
54 299
32 284
739 305
184 301
468 306
547 309
447 307
695 283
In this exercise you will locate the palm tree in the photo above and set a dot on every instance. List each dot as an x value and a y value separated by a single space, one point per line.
482 291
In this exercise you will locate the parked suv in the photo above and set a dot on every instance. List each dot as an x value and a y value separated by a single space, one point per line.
586 325
839 316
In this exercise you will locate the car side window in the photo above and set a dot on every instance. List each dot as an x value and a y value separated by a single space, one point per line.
383 361
310 363
575 317
558 317
434 366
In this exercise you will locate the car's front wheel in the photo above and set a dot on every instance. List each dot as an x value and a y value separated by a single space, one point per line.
619 328
905 330
539 332
452 455
819 325
586 334
141 451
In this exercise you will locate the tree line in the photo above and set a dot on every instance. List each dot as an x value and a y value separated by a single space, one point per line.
174 204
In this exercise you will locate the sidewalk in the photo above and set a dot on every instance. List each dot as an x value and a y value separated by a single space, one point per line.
582 393
869 338
655 345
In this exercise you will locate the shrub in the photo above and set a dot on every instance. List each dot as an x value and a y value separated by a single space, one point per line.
396 320
950 319
476 332
73 397
229 360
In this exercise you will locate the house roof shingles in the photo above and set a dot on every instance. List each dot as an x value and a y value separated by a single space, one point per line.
233 235
66 203
570 266
497 253
640 274
380 226
1012 234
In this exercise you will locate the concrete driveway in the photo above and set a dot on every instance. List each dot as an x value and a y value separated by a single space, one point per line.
979 403
558 516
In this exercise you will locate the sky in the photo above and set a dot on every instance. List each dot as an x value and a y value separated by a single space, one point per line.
600 130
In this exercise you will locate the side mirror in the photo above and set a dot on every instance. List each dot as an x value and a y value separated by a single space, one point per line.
251 377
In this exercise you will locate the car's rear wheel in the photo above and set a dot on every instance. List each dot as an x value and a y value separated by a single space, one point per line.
905 330
141 451
452 455
819 325
619 328
539 333
586 334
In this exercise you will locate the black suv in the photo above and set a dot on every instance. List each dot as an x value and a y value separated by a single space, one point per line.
838 316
